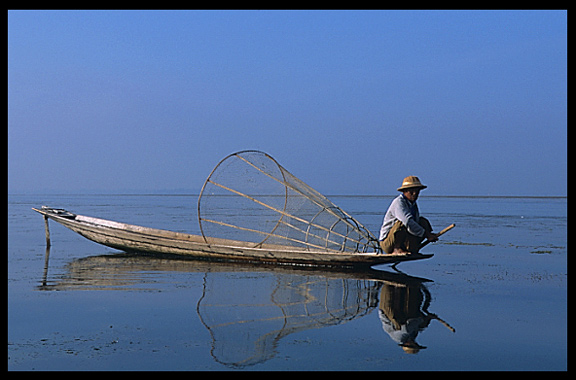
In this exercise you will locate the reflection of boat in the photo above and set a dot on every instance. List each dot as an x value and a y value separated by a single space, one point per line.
248 309
250 209
124 271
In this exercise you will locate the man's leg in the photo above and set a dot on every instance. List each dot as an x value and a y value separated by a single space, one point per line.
396 238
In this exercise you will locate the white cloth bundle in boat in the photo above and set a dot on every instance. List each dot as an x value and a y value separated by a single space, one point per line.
250 197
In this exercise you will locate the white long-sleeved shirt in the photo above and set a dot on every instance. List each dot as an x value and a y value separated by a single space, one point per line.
405 211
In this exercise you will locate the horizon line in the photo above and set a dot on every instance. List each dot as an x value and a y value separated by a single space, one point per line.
167 193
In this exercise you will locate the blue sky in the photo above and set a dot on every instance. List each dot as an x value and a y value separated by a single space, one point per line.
351 102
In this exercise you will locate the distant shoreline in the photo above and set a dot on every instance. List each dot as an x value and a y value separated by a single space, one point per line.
328 195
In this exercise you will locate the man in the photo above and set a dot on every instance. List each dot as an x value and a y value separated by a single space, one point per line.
403 229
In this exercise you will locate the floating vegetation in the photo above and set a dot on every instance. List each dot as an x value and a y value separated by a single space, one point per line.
548 249
465 243
541 251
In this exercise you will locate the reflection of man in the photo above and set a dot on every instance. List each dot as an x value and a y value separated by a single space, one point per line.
401 316
403 229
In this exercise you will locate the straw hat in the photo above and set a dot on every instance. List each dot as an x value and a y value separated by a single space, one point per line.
411 347
411 182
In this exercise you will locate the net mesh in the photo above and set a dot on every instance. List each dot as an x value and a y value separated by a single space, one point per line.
250 197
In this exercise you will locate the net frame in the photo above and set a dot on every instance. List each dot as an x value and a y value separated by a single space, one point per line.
342 233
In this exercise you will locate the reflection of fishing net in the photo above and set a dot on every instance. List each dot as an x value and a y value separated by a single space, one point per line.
246 326
250 197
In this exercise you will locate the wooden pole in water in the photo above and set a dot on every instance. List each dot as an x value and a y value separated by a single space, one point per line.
47 231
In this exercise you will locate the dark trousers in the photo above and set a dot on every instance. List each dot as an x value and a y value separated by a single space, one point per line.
399 237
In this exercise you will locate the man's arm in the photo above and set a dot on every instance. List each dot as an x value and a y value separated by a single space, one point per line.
402 213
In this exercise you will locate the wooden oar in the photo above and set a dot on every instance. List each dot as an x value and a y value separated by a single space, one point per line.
439 234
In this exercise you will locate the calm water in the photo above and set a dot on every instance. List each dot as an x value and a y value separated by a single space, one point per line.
499 280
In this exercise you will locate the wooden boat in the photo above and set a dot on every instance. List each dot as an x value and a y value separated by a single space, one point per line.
132 238
273 216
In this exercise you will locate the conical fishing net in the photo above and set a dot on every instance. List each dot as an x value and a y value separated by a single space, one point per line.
249 197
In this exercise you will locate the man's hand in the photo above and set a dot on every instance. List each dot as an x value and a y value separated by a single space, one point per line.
432 237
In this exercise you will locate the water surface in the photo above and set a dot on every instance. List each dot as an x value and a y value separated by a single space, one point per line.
499 280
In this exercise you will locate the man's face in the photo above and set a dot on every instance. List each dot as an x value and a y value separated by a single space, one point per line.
412 194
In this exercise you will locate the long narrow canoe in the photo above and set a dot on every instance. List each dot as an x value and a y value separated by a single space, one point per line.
132 238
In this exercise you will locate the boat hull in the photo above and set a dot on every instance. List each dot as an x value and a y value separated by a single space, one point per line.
132 238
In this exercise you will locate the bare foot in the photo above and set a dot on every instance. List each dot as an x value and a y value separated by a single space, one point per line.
400 252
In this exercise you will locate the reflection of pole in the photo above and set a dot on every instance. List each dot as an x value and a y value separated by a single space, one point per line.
47 232
444 323
426 304
46 258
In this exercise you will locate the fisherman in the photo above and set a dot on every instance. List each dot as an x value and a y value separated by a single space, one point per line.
403 229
